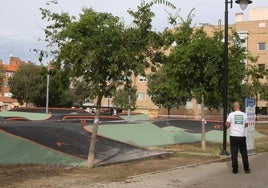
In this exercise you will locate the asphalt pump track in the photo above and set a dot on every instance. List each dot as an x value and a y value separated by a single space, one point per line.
70 137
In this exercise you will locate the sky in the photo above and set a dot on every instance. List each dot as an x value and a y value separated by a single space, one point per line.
21 28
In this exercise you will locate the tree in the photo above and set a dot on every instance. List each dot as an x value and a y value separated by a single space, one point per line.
98 47
60 93
2 75
161 92
81 90
195 64
255 84
23 83
125 98
28 85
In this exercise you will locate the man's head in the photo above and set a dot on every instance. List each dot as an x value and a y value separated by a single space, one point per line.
236 106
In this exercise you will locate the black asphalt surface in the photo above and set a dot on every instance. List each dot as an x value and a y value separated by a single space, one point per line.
191 126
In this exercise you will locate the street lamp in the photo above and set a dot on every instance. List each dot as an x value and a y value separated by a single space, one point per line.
47 95
243 5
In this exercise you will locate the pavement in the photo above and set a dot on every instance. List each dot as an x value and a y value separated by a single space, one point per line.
215 174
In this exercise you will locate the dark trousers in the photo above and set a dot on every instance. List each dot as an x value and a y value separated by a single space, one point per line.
239 143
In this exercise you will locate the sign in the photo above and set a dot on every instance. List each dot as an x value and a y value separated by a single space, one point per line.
250 106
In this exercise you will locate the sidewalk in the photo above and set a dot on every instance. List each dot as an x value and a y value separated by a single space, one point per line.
212 175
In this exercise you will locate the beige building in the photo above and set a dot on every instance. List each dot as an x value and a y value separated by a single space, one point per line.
6 100
255 32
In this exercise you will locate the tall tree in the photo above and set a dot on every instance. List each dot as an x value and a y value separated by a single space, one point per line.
81 91
195 64
161 91
23 82
100 48
28 85
125 98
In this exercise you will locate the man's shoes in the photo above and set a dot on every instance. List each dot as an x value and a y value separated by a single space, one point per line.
248 171
235 171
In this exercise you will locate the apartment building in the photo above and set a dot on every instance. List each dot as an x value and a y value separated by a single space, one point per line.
6 100
255 32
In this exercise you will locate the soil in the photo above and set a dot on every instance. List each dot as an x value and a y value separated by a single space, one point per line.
65 176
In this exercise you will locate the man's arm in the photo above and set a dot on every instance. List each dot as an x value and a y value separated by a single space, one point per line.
227 124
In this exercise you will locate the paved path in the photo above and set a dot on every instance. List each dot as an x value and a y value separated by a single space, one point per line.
212 175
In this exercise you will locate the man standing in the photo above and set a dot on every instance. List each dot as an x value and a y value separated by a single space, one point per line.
237 122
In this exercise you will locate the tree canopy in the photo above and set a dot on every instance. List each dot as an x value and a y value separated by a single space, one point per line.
194 66
161 91
23 83
99 48
29 85
125 98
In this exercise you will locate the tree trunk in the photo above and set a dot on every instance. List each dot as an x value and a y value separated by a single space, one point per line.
169 112
203 139
91 153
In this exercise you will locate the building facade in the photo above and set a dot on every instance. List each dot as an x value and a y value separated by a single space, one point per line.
6 100
255 32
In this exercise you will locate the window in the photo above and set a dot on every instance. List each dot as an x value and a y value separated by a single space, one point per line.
141 96
6 84
262 25
142 79
261 46
7 94
9 74
189 105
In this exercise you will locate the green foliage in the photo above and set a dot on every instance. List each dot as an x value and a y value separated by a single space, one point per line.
164 2
25 82
98 47
254 84
125 98
29 85
81 91
161 91
60 94
195 64
2 75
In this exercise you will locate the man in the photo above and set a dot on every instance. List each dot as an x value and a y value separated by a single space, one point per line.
237 122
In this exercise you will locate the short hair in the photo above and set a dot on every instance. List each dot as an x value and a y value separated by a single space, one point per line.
236 105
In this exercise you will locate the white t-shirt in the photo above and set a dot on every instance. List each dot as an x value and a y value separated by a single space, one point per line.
237 120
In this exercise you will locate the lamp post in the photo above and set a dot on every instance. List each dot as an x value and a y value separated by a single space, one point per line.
243 5
47 95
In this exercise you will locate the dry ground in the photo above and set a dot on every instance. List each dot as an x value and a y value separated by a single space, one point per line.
64 176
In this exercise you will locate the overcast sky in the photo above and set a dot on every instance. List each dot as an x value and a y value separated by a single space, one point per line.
21 23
